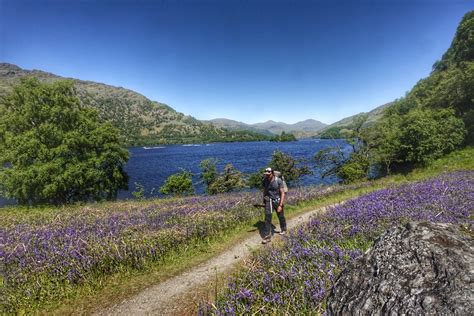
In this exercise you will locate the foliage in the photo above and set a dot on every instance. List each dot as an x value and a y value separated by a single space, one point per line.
349 167
355 169
297 275
140 121
230 179
330 160
139 192
254 180
53 150
428 134
462 47
284 137
208 170
433 119
40 230
291 168
179 184
46 256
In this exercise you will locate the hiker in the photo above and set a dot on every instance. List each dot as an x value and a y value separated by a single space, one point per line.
274 198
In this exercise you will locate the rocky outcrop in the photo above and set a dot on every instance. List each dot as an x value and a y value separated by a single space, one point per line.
420 268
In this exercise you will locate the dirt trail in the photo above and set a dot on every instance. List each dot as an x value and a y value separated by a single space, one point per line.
171 297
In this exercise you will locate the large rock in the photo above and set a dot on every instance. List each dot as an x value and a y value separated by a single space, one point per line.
421 268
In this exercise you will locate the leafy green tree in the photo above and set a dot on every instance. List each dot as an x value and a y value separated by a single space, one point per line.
220 182
229 180
208 170
428 134
53 150
329 160
179 184
356 168
292 169
254 180
348 167
284 137
385 143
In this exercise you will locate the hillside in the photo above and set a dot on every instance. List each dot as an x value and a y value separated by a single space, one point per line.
140 120
301 129
342 127
237 126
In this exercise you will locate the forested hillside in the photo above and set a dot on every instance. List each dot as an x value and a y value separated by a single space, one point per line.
140 120
346 126
434 118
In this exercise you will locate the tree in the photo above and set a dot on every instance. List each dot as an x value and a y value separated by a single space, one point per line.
349 167
429 134
53 150
254 180
179 184
209 170
229 180
291 168
284 137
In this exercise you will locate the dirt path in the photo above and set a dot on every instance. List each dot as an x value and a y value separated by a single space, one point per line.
173 296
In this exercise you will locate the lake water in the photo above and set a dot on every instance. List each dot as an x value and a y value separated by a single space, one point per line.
152 166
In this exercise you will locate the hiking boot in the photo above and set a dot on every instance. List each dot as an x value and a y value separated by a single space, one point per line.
266 241
283 232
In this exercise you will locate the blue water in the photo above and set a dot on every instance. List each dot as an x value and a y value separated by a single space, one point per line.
150 167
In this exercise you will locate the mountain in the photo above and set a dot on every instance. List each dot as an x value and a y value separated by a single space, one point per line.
339 128
140 120
302 129
237 126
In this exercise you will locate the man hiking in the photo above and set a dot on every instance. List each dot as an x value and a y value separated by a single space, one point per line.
274 197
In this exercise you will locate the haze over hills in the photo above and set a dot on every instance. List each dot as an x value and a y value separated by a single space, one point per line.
140 120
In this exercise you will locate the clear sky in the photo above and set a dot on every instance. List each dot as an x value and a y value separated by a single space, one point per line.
244 60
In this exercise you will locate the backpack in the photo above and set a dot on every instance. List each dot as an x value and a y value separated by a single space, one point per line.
279 175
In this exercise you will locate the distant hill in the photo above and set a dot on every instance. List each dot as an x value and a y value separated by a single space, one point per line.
339 128
237 126
302 129
140 120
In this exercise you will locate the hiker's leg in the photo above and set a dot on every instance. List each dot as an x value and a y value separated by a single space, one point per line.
267 232
282 220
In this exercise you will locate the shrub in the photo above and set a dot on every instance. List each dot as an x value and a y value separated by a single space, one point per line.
179 184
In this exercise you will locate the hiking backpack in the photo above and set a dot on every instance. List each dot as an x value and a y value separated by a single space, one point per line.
279 175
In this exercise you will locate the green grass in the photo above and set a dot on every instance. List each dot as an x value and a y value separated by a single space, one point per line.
107 291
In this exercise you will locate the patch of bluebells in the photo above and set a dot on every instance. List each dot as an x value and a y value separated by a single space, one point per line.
296 276
43 258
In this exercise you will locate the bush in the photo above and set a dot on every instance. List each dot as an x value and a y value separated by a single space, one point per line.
227 181
291 168
429 134
353 170
179 184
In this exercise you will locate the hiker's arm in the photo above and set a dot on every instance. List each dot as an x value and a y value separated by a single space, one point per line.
282 197
282 200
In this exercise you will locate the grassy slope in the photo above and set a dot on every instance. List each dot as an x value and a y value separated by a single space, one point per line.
111 290
140 120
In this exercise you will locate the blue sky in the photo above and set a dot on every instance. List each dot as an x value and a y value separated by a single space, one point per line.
245 60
